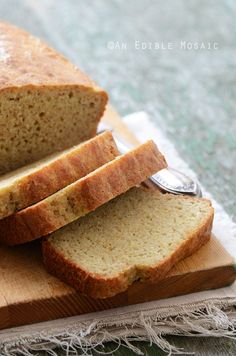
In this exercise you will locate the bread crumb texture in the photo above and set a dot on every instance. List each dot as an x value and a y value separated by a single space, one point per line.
134 236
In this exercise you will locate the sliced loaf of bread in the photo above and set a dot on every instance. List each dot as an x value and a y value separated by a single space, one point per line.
47 104
82 196
28 185
139 235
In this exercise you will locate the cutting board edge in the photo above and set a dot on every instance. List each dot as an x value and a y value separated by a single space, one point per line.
67 305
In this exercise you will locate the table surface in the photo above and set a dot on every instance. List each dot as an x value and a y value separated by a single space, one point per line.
176 59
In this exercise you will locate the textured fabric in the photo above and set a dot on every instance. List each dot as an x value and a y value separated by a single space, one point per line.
207 313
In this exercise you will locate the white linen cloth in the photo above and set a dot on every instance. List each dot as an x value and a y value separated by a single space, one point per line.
208 313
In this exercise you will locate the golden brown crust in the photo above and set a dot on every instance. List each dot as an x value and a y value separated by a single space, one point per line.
59 173
83 196
30 62
97 286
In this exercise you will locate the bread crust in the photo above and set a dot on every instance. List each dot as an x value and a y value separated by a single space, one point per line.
96 286
57 174
28 61
82 196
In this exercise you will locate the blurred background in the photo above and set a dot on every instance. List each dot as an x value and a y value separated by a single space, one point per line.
187 85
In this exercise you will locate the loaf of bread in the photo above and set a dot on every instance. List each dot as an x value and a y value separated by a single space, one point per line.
30 184
46 103
139 235
82 196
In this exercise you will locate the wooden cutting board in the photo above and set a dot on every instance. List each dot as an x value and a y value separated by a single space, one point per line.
29 294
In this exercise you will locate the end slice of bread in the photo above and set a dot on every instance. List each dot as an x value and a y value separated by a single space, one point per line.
32 183
82 196
139 235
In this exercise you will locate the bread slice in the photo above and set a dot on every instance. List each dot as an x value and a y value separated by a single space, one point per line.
37 181
47 104
139 235
82 196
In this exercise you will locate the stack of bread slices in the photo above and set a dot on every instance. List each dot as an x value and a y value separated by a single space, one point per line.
100 230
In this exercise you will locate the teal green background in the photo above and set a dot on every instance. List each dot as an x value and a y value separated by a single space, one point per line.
189 94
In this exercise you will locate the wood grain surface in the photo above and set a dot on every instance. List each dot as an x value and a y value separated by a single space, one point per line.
29 294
